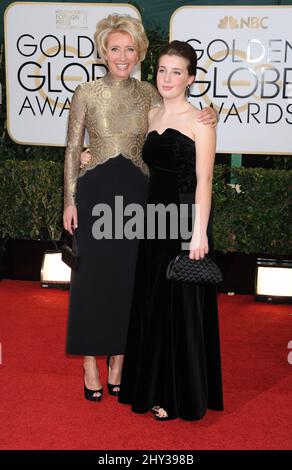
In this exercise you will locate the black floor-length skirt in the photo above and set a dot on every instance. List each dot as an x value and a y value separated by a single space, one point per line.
101 288
172 355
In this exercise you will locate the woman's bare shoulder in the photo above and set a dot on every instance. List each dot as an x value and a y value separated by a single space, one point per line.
194 112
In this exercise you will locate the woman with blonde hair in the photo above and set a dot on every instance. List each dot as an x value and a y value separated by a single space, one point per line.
113 110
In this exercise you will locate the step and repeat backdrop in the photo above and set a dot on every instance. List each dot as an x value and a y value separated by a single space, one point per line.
244 69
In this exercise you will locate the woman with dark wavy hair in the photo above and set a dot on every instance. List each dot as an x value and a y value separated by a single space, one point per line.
172 360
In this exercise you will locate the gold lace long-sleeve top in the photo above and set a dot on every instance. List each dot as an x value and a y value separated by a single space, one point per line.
114 113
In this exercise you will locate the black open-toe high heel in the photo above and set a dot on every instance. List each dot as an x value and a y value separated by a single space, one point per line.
90 394
110 386
111 390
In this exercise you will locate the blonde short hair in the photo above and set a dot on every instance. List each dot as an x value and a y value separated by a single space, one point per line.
124 24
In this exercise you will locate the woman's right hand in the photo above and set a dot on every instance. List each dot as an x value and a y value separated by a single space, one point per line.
70 220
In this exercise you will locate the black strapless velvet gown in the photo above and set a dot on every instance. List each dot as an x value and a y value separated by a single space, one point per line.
172 354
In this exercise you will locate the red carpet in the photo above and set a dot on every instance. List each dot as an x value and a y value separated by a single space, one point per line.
41 403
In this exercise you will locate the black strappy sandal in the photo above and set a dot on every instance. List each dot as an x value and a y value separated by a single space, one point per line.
163 418
154 409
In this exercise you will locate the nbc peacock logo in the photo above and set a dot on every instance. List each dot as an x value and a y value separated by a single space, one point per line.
228 22
250 22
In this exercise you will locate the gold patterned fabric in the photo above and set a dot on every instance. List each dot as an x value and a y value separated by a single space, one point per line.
114 113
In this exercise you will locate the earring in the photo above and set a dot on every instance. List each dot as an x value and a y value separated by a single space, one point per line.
188 91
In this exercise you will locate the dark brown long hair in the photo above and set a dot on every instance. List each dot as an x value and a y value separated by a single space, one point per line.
181 49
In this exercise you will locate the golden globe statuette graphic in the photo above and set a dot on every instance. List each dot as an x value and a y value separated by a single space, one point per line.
88 68
257 72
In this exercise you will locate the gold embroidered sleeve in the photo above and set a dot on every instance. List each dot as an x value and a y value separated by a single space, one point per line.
75 140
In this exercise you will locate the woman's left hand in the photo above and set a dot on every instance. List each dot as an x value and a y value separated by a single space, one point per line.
208 116
85 157
199 246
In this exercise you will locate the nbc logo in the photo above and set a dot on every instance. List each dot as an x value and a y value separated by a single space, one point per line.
252 22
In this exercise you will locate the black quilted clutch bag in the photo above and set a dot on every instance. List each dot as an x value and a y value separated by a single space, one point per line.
69 254
203 271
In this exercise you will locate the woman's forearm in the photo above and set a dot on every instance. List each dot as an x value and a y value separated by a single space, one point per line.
75 142
203 198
